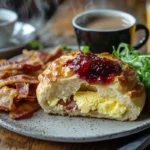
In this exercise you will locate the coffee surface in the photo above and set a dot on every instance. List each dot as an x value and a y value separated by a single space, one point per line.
106 22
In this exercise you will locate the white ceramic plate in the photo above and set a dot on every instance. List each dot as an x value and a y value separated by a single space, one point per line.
73 129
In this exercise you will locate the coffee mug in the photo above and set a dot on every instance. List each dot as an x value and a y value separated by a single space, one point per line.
103 29
7 23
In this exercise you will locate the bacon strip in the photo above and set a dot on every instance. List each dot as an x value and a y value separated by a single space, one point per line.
19 66
69 105
32 93
25 110
31 98
56 54
7 65
30 66
6 74
18 79
18 82
7 96
2 60
43 57
23 90
3 75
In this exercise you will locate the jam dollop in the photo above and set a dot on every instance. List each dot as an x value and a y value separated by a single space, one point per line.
94 69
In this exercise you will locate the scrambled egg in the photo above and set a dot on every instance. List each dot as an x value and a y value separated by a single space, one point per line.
53 102
87 101
91 101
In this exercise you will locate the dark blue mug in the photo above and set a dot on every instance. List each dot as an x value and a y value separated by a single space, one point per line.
103 40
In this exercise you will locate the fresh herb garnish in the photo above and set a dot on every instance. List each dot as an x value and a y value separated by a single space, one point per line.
141 63
65 48
36 45
85 49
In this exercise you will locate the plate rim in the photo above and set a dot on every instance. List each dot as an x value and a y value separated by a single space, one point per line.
42 136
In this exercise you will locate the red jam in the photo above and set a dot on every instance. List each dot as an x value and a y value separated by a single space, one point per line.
95 70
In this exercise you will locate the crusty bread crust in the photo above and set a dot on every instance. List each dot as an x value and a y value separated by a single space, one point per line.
59 81
56 71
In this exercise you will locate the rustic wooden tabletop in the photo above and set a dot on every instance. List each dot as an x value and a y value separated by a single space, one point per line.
53 30
13 141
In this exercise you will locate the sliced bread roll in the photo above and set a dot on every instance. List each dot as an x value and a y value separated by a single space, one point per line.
93 85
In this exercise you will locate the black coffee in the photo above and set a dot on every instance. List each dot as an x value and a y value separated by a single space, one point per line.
105 22
2 21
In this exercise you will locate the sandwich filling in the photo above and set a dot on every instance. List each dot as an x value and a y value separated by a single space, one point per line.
89 102
95 85
95 70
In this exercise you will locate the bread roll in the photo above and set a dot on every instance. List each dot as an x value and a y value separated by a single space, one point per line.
91 85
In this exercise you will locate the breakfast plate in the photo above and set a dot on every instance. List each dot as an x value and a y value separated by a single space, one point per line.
73 129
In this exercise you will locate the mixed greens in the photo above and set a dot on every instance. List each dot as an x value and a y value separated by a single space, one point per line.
141 63
65 48
85 49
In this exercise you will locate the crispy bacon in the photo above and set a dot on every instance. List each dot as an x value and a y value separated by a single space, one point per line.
43 57
34 57
23 90
18 79
56 54
7 96
32 93
3 75
30 66
19 66
31 98
69 104
50 56
6 74
18 82
2 60
25 110
7 65
26 91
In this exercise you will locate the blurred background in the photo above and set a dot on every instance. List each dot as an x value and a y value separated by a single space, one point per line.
53 18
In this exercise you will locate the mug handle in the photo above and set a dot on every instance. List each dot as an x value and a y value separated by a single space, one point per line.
144 39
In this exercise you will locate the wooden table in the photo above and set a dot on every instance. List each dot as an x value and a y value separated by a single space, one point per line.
12 141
